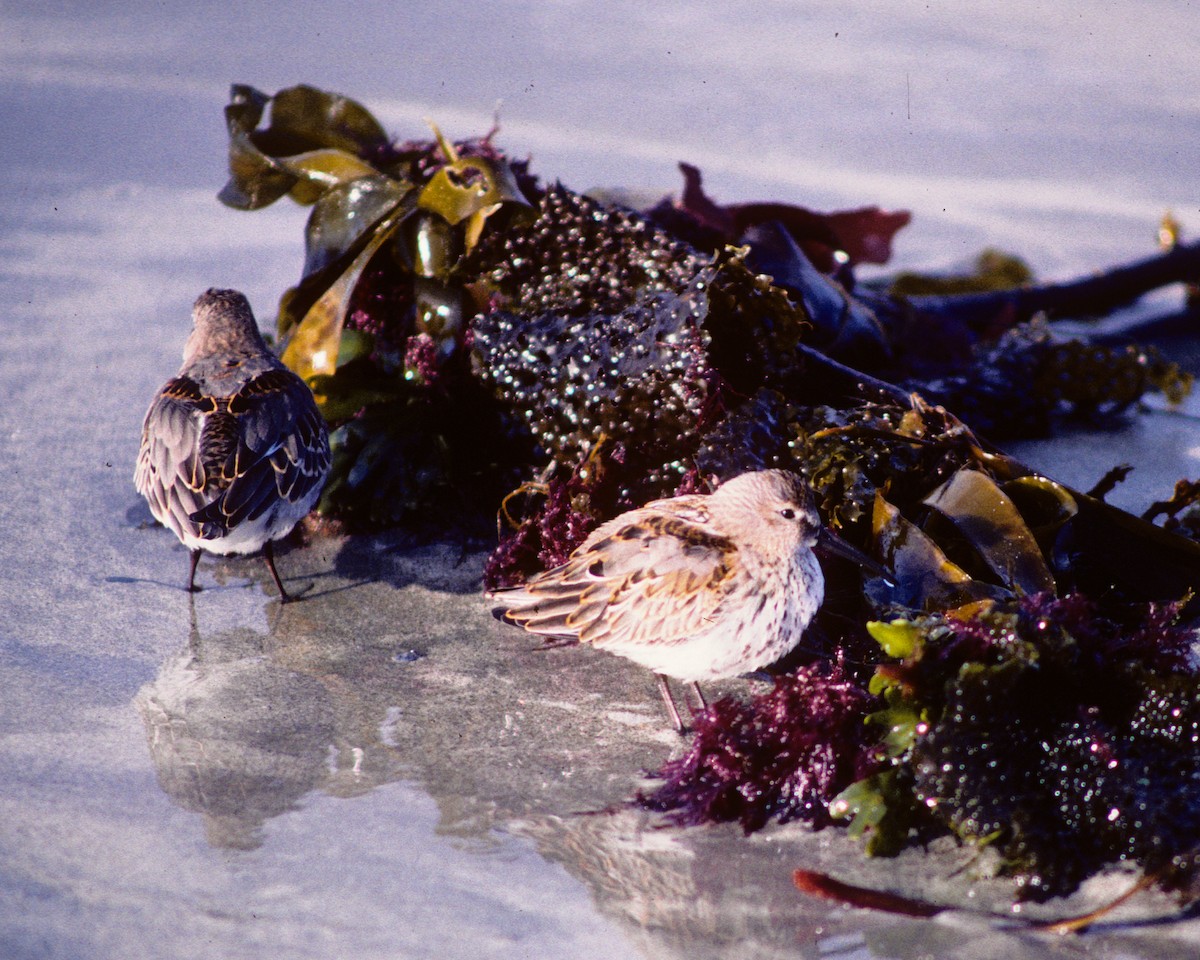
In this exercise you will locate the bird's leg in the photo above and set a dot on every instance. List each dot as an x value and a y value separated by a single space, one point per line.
699 698
673 710
268 552
192 588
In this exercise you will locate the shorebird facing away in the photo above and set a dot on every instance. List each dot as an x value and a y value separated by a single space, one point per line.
234 450
698 587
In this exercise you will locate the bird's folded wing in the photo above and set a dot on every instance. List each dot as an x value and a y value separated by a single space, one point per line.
653 578
270 444
169 474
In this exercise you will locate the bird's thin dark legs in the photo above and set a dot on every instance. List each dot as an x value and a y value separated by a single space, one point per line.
268 553
699 697
669 700
192 588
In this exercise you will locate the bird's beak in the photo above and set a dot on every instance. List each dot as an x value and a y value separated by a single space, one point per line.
829 544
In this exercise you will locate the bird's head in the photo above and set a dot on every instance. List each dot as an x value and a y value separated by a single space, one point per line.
774 506
222 322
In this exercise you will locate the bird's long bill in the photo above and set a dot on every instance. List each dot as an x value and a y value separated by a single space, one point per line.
830 544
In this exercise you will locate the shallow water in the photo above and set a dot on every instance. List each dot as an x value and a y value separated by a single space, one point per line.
383 771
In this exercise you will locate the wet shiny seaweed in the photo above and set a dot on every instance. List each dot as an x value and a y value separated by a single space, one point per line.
489 349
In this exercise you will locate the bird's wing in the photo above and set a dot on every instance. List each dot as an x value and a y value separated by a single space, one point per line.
267 442
651 576
239 454
169 472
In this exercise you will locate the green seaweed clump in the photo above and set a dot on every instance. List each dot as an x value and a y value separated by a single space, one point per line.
1028 379
377 324
638 376
1044 729
579 256
993 270
600 324
625 350
849 454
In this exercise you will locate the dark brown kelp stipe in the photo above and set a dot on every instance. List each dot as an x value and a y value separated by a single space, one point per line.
484 345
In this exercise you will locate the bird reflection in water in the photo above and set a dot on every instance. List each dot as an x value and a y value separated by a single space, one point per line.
242 724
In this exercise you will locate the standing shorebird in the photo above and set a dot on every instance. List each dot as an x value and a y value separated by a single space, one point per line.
234 451
699 587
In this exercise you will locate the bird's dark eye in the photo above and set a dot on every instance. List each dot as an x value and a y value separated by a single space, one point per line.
788 513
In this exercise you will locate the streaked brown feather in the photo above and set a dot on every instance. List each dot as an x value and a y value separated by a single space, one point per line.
650 576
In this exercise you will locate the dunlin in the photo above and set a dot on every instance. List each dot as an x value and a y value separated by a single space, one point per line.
698 587
234 451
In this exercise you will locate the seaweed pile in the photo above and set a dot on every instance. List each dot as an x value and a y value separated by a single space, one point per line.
1037 720
483 344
